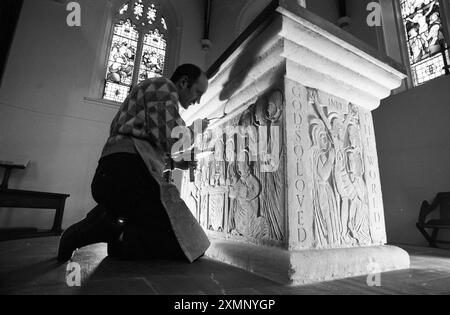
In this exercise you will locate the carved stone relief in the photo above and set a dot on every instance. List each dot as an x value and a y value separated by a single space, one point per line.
340 195
297 148
241 180
216 212
203 217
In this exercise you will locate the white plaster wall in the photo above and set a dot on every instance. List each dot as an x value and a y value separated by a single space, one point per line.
248 14
413 138
328 9
390 30
228 19
191 13
356 10
42 112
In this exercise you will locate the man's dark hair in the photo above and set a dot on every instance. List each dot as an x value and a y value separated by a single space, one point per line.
191 71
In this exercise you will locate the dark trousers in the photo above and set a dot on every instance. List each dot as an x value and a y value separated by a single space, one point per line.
123 186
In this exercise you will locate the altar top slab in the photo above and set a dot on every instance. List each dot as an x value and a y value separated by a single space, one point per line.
277 6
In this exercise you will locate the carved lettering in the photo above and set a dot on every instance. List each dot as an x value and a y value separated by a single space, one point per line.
300 199
298 150
299 136
377 217
300 185
299 168
296 91
334 104
374 188
298 153
296 105
367 130
371 159
298 119
302 235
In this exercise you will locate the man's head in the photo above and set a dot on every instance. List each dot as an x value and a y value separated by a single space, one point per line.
191 83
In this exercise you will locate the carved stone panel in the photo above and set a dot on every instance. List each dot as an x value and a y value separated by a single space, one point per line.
334 195
203 213
241 174
298 183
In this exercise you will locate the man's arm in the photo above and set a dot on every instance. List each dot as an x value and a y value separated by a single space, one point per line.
184 165
161 113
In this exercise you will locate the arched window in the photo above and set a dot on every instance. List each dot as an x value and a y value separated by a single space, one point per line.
137 49
428 48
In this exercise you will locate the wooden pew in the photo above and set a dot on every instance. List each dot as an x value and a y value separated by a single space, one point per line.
14 198
441 202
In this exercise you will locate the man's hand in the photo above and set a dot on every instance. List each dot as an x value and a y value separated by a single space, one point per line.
193 164
185 165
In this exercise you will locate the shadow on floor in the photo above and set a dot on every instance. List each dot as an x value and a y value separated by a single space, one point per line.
30 267
167 277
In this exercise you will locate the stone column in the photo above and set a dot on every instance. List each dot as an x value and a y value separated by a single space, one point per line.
295 194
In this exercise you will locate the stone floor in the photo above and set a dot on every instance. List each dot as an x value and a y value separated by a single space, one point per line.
29 267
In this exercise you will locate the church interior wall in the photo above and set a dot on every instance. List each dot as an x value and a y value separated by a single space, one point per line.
413 141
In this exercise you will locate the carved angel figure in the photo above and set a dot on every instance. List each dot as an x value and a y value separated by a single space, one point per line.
343 186
245 213
359 212
325 219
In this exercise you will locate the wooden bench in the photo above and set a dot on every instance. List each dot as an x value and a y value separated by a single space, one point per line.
13 198
442 201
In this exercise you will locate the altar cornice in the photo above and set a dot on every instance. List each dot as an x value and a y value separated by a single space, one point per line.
287 40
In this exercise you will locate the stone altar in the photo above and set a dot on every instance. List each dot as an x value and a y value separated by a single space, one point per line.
287 184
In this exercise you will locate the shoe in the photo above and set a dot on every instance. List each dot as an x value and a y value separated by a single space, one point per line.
115 250
142 243
97 227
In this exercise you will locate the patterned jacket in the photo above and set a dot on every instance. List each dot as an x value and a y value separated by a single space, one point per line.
149 113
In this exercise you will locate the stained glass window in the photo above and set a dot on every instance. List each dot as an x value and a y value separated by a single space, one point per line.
123 9
151 14
153 54
427 45
163 22
137 49
138 9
